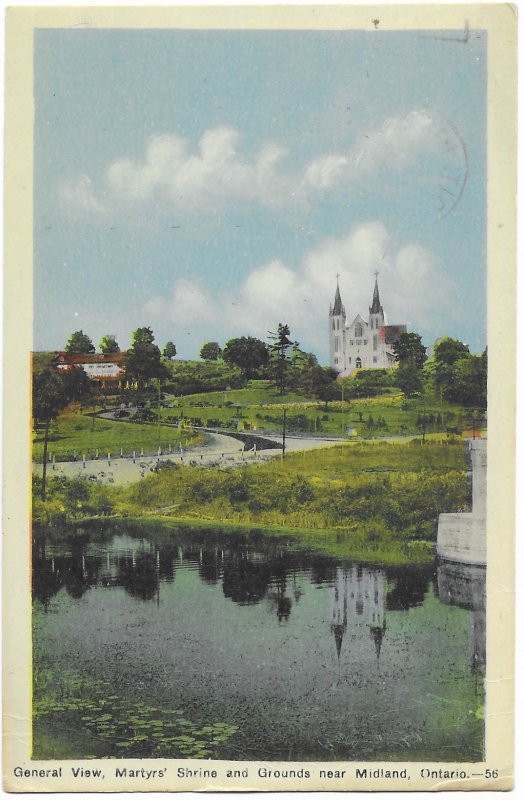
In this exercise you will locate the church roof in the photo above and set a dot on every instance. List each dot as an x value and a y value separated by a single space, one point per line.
376 308
338 308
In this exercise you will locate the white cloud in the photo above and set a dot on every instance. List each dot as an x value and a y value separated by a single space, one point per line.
218 173
188 304
413 289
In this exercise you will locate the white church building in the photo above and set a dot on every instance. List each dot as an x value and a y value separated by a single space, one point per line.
363 344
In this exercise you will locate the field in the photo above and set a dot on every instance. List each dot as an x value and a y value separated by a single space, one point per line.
75 433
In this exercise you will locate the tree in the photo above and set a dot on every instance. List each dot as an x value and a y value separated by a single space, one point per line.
169 351
447 351
49 399
210 351
409 378
246 353
108 344
322 383
77 385
409 347
143 360
80 343
279 355
470 377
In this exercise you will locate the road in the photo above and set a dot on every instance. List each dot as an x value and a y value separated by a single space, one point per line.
219 451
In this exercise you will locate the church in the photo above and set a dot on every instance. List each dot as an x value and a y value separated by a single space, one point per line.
364 344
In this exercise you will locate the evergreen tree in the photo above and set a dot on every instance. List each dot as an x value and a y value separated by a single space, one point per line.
280 359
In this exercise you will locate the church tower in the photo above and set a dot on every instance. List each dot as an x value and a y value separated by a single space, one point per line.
337 328
376 321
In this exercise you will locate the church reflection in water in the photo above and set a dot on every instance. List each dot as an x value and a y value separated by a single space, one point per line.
254 568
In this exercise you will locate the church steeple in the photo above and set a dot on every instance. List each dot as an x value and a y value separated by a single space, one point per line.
376 308
338 308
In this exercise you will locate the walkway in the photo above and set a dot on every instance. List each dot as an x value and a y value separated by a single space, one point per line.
219 451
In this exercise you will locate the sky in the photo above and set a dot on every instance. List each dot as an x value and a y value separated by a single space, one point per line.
211 184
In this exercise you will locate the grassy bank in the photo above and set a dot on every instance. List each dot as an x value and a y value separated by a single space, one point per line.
76 433
368 498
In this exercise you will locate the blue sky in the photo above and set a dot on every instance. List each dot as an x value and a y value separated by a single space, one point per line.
213 184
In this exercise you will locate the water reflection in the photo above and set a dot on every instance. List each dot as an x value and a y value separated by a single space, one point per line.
255 570
464 585
315 655
248 569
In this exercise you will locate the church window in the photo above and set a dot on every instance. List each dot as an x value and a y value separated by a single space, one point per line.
372 323
359 607
365 341
358 363
358 330
338 324
336 344
374 359
333 324
375 341
336 360
349 360
351 342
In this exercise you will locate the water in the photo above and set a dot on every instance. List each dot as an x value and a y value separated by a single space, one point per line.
293 654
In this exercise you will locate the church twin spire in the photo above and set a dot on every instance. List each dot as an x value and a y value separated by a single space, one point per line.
375 307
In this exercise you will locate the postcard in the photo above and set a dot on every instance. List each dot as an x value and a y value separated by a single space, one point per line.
259 398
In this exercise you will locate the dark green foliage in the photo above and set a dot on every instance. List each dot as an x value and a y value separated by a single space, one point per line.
368 383
459 376
321 383
49 395
169 351
409 378
79 342
409 349
143 360
279 356
108 344
246 353
77 385
211 351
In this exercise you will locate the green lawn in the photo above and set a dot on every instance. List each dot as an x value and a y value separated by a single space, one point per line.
74 431
261 407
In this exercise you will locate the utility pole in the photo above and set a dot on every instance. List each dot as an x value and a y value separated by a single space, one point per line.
284 433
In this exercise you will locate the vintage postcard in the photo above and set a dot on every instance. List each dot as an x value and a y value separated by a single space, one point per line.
259 398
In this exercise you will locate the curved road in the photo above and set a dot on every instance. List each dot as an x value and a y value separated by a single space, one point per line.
219 451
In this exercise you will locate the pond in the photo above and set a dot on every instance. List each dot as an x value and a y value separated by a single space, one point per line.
179 642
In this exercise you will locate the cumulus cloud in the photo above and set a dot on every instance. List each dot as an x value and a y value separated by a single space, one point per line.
188 303
218 173
413 288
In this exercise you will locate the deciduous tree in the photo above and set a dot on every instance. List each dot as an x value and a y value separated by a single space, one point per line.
79 343
49 398
143 360
169 351
246 353
210 351
108 344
